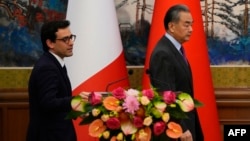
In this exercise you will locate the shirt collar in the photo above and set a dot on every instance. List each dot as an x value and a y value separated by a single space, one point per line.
175 42
59 59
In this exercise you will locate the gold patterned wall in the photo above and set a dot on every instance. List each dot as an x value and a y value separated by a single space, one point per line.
14 78
231 77
223 77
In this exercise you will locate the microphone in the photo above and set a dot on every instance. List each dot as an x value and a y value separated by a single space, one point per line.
130 72
160 82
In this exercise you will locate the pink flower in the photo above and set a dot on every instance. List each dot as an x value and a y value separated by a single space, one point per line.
148 93
138 122
95 98
169 97
113 123
159 127
131 104
119 93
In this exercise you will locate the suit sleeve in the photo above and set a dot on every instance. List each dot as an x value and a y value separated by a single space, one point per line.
162 72
52 92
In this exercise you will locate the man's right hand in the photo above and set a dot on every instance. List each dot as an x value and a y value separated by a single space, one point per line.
85 95
186 136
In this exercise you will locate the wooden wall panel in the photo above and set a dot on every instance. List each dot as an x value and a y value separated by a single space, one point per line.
233 108
14 115
16 122
234 105
1 124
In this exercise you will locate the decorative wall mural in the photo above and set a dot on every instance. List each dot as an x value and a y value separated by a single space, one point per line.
20 22
134 17
226 25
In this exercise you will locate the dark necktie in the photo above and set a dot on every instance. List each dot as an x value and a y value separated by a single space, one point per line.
183 54
67 78
64 69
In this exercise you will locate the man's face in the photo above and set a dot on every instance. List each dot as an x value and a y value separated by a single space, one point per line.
182 29
63 45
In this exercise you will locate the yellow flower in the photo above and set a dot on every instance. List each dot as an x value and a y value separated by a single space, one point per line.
144 100
165 117
106 134
119 137
143 134
148 121
95 112
104 117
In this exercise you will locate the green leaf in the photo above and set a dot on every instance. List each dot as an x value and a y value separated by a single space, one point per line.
88 107
176 112
88 119
198 103
74 114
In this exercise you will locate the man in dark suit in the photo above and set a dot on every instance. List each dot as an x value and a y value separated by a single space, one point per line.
169 69
50 91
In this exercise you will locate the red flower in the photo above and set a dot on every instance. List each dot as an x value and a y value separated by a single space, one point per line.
113 123
138 122
95 98
169 97
119 93
159 127
148 93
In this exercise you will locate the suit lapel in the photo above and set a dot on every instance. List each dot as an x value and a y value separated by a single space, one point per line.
185 65
62 71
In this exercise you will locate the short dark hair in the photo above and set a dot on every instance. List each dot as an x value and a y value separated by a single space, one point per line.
49 29
172 15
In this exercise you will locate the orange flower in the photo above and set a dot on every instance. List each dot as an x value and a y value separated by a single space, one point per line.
174 130
140 112
96 128
124 117
111 103
143 134
113 138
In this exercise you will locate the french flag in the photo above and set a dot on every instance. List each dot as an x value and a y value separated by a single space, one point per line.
98 62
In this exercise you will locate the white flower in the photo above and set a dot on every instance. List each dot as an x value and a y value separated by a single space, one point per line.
132 92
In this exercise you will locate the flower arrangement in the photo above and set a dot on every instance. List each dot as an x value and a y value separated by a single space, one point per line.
132 114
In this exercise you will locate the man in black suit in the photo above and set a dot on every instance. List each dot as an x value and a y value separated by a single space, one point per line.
169 69
50 91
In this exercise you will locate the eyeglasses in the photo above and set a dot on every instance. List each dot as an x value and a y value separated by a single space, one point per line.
68 38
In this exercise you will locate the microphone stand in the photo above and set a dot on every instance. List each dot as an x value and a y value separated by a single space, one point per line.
130 72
